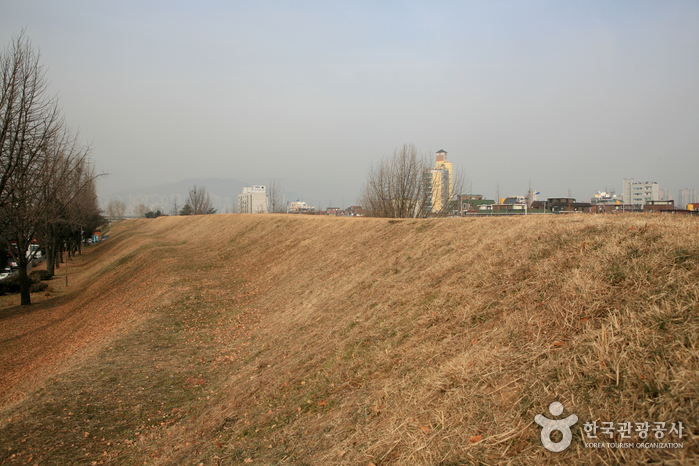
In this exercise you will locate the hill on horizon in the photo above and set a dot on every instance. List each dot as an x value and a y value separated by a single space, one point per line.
277 339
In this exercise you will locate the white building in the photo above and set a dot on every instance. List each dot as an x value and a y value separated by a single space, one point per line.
606 198
300 207
253 200
640 193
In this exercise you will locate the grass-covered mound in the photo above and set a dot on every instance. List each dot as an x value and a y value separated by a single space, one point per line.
301 340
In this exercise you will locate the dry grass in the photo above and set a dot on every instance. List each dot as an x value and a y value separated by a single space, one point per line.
302 340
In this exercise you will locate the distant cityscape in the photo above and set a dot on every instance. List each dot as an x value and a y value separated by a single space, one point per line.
442 200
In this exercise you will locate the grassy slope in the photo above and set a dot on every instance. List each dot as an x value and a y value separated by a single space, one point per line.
305 340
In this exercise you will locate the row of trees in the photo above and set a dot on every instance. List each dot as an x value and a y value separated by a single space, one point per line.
198 203
401 186
47 181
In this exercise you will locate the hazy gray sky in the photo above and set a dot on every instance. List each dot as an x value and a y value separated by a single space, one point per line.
570 95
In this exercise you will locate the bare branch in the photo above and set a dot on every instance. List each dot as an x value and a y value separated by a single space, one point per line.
198 203
395 187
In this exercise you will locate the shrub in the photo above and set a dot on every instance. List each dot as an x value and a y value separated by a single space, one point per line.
38 287
40 275
11 284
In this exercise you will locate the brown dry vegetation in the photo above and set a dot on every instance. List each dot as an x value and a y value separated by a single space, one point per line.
277 339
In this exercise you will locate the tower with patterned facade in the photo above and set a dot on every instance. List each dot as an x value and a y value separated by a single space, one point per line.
440 183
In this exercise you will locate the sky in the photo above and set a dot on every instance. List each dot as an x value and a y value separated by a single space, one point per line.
568 96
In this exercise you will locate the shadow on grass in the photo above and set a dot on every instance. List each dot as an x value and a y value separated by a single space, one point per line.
18 310
119 405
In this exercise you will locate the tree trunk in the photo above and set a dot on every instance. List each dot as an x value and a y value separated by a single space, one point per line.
23 280
51 257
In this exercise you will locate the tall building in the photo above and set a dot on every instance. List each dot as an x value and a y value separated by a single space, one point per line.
253 200
687 196
665 194
640 193
439 183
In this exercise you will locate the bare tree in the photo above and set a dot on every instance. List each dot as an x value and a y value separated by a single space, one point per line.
198 202
29 118
141 210
405 185
116 210
44 169
81 214
55 200
395 187
29 121
69 196
275 196
175 210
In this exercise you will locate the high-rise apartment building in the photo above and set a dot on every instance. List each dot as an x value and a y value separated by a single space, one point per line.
439 183
640 193
665 194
